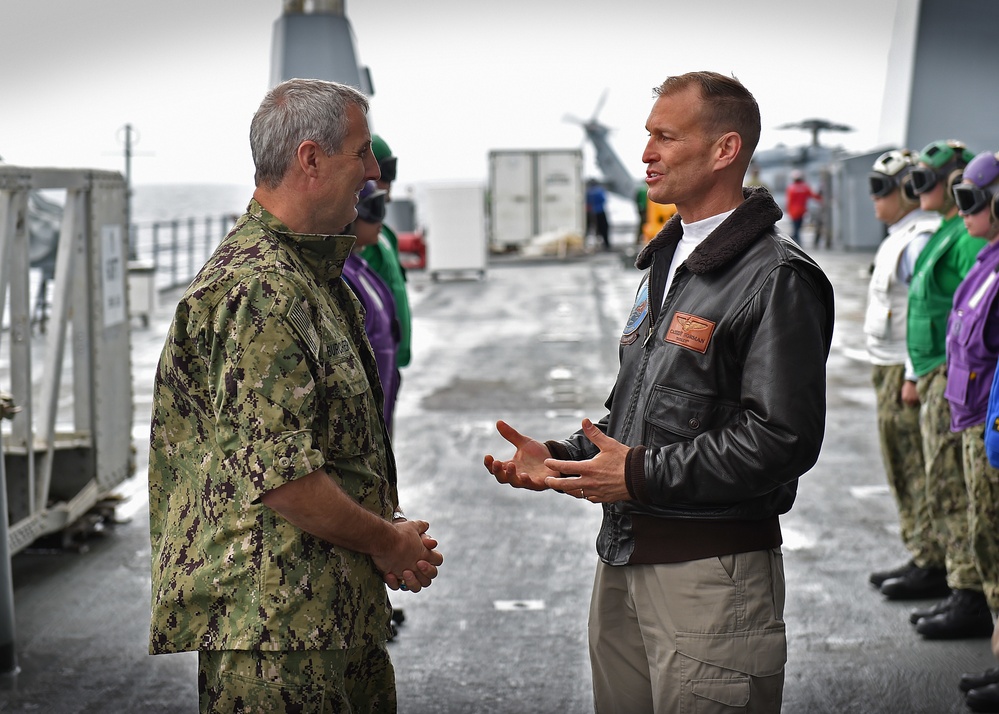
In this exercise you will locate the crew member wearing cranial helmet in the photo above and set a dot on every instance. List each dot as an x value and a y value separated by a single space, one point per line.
909 228
940 167
972 352
380 322
383 256
940 268
386 163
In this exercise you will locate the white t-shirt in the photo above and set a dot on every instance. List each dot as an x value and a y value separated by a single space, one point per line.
693 234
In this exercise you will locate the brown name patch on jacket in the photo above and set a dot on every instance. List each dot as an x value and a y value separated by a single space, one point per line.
690 331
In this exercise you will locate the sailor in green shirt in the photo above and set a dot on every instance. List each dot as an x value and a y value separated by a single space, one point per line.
945 565
273 506
383 256
949 255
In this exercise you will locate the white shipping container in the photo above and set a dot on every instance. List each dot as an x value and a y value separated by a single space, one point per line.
533 192
511 197
561 194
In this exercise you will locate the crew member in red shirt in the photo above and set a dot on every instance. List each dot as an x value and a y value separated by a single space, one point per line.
798 194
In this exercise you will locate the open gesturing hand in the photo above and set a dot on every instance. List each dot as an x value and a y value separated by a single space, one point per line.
527 467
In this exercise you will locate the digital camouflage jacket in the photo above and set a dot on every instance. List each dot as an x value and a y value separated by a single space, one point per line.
266 376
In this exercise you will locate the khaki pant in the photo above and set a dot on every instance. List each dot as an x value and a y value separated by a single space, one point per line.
358 680
703 636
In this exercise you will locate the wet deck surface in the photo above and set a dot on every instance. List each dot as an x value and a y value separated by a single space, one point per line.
503 628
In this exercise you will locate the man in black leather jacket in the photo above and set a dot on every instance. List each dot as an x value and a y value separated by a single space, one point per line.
718 408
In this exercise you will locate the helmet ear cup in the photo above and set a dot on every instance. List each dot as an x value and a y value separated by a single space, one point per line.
953 179
907 194
994 207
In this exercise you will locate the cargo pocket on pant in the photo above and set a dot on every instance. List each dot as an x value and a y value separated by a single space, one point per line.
718 669
241 693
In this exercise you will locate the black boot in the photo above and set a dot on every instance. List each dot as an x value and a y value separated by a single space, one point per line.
878 577
967 616
977 680
920 612
984 699
916 584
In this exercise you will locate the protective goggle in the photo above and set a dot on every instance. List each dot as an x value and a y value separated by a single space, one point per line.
970 199
882 185
923 179
388 166
371 209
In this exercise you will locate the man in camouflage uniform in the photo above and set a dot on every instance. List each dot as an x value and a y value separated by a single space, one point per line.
272 486
909 229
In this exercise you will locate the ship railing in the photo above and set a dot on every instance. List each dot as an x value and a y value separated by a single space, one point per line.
174 250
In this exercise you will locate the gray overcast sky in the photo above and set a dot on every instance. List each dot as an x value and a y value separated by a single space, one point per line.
453 79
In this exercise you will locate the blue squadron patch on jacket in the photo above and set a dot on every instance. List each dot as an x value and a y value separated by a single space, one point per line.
638 314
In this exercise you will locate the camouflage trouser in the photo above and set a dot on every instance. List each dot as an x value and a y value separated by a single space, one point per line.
902 453
356 680
946 494
983 511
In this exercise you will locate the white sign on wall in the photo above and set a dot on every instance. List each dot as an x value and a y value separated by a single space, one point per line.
112 275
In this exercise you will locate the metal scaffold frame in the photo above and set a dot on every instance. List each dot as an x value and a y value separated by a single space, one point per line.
68 441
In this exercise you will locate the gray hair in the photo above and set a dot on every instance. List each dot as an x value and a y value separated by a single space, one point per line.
294 111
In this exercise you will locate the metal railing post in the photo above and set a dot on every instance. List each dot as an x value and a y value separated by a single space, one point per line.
175 234
208 238
190 250
8 649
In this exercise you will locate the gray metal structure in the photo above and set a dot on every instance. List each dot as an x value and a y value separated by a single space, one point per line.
854 225
942 68
314 40
942 63
941 51
70 441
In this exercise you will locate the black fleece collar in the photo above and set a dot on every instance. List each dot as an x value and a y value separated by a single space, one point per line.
752 218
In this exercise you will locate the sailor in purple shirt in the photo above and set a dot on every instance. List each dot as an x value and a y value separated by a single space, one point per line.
973 341
380 322
972 351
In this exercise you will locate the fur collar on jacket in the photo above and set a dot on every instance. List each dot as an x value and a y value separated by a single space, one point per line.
753 217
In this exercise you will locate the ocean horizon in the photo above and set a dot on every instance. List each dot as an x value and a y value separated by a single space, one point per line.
165 202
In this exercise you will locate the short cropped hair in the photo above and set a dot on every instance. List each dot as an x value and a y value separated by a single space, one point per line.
294 111
728 106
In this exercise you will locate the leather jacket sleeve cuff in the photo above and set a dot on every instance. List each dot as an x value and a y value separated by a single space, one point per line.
558 451
634 474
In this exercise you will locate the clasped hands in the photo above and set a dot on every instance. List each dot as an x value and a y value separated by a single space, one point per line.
598 480
413 556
